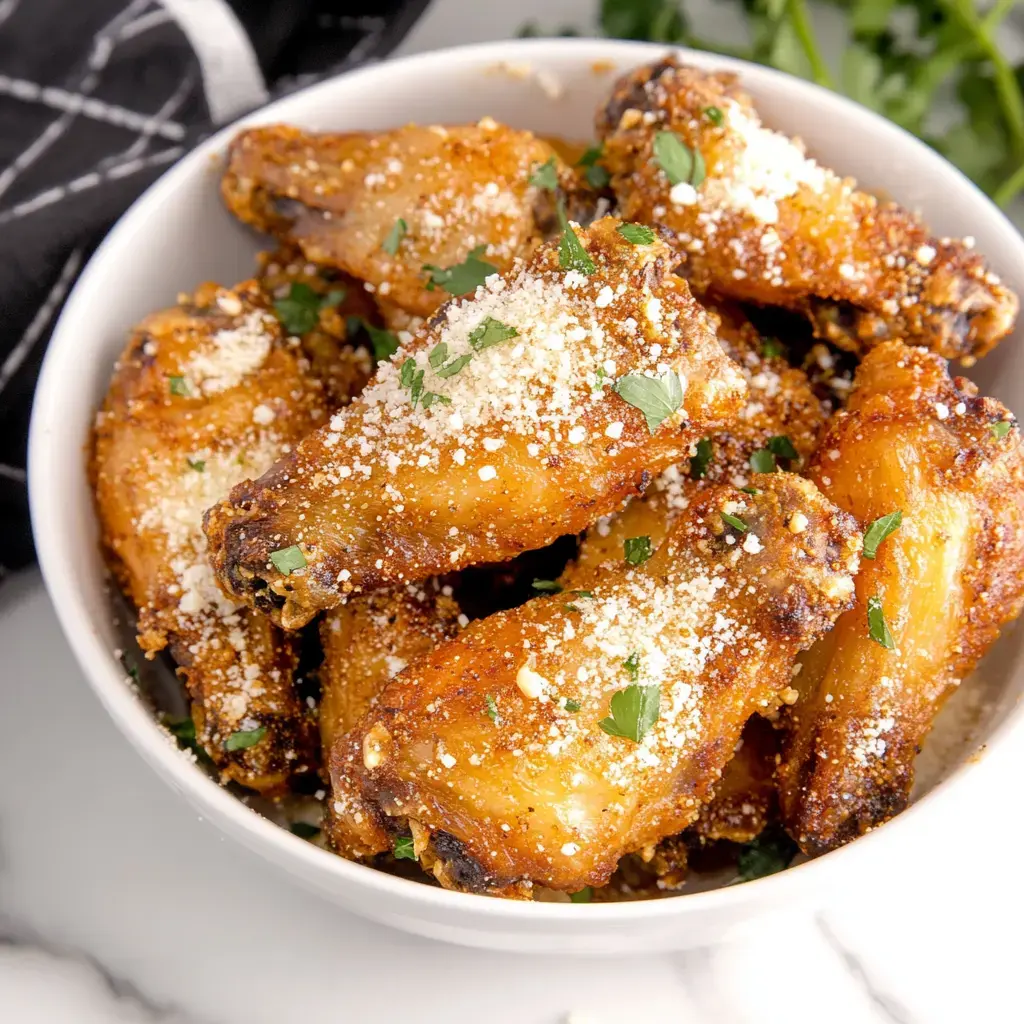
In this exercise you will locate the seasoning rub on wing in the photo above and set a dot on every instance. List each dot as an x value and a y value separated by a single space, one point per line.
761 222
544 743
517 415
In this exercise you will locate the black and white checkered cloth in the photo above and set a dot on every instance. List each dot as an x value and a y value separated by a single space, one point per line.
98 98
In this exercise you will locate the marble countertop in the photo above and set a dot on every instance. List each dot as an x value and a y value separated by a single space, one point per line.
118 904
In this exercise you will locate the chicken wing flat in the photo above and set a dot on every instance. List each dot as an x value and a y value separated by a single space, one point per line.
780 404
514 417
206 394
944 581
383 206
761 222
544 743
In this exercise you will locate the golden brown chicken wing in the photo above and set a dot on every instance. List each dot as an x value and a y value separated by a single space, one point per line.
761 222
941 584
206 394
384 206
544 743
520 414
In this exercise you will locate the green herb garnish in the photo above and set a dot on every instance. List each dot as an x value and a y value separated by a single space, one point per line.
632 666
384 343
733 521
547 586
677 160
750 490
395 235
582 593
878 629
772 851
636 234
492 709
299 310
879 530
197 464
179 386
245 738
634 711
490 332
287 560
596 175
772 348
637 549
304 830
1001 429
781 446
656 397
545 176
442 365
583 896
403 848
763 461
572 705
462 277
184 729
699 463
714 115
571 254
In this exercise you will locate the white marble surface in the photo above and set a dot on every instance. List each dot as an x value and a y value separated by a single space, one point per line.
117 904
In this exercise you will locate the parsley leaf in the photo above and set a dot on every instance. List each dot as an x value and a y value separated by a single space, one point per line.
763 461
462 277
596 175
547 586
197 464
878 629
287 560
490 332
403 848
656 397
299 310
637 549
699 463
384 343
770 852
304 830
634 711
772 348
492 709
1000 429
545 176
443 366
395 235
179 386
184 730
572 705
714 115
733 521
583 896
571 254
879 530
781 446
632 666
636 234
677 160
245 738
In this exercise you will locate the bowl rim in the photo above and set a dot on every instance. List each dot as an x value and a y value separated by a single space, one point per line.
229 813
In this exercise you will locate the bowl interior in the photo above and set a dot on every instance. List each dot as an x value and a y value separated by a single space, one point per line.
179 234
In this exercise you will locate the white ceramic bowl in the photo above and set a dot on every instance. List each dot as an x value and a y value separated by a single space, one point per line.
179 234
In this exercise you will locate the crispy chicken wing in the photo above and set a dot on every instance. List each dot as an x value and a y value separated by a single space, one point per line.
915 441
381 206
206 394
544 743
496 430
761 222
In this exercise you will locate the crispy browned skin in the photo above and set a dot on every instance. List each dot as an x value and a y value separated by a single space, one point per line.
745 798
343 368
534 792
531 447
911 439
339 196
779 402
159 459
768 225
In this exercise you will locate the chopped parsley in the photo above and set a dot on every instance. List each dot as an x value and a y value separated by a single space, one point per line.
1000 429
197 464
762 461
636 234
781 446
571 254
772 851
545 176
735 522
403 848
183 729
299 310
677 160
637 549
490 332
245 738
442 365
699 463
395 235
772 348
879 530
632 666
411 377
583 593
384 343
179 386
583 896
304 830
750 490
714 115
287 560
878 628
656 397
634 711
461 277
492 709
572 705
547 586
601 380
596 175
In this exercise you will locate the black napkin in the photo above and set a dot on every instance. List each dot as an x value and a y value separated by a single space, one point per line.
97 99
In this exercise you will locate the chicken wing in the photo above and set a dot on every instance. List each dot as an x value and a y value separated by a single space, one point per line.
383 206
544 743
516 416
931 601
761 222
206 394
